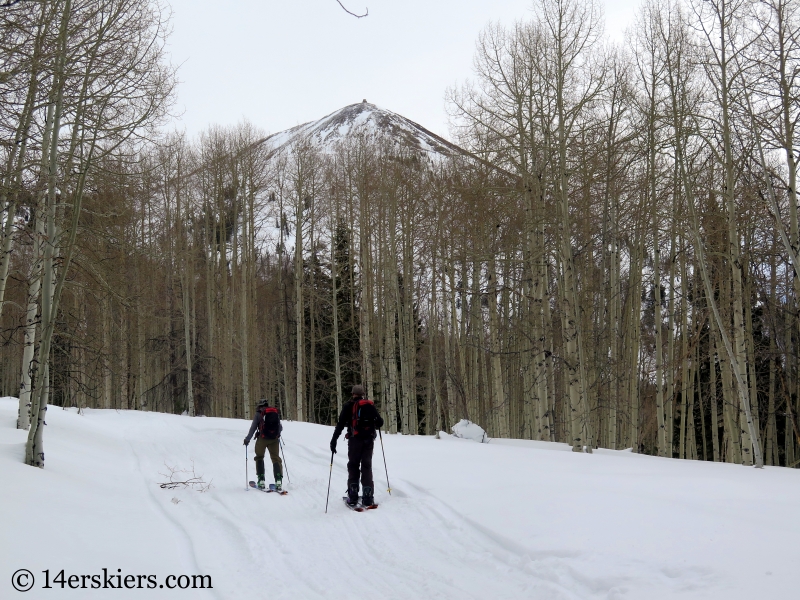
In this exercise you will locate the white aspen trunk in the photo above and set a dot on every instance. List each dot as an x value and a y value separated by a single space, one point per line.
434 418
500 401
587 404
663 448
788 442
730 425
390 314
475 327
549 367
366 307
691 441
614 313
244 323
751 358
484 384
299 316
669 370
634 335
698 362
409 335
461 338
335 305
712 393
34 448
543 340
455 411
107 351
448 360
34 289
405 417
141 357
188 344
8 236
684 358
772 425
391 369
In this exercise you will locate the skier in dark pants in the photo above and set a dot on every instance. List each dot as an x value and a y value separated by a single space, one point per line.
268 424
362 421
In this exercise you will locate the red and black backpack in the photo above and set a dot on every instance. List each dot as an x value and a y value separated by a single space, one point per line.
270 425
363 422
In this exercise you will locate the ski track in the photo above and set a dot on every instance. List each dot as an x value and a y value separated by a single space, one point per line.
184 540
441 534
415 545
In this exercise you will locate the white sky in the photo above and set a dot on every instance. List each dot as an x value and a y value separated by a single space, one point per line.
279 63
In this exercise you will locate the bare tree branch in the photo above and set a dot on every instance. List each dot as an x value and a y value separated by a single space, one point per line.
340 4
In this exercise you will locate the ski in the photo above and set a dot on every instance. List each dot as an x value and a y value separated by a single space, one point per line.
370 507
271 488
359 507
355 507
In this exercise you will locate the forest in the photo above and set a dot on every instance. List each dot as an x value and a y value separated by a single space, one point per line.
606 259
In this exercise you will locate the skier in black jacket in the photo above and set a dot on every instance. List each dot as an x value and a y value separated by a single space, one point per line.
362 421
267 427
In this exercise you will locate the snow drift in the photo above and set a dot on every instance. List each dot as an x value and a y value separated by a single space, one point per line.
469 431
510 519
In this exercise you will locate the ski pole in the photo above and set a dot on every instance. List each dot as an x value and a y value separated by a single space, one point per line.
246 476
384 464
284 460
328 495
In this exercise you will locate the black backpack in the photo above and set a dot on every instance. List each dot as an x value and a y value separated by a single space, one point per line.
363 422
270 425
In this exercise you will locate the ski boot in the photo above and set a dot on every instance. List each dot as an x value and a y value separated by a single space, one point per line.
260 473
278 474
367 499
352 494
278 484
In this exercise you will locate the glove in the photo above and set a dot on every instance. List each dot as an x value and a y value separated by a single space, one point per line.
246 441
333 446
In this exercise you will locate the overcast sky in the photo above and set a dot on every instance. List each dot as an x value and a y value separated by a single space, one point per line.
279 63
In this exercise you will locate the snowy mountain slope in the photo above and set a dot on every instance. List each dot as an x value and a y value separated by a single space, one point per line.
507 519
368 118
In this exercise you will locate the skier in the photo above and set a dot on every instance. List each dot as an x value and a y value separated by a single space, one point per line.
362 420
268 423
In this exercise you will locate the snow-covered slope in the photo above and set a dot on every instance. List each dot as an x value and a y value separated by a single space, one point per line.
505 519
364 117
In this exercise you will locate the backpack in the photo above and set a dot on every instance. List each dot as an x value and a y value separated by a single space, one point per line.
363 423
270 425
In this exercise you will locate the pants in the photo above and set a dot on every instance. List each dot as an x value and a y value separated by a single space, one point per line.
263 444
359 455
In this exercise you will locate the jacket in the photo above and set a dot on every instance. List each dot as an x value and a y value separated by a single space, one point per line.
346 418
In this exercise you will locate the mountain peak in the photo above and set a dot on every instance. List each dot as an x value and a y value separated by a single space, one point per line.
363 117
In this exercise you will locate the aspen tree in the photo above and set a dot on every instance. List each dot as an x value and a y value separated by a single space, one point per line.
11 182
673 71
718 20
650 70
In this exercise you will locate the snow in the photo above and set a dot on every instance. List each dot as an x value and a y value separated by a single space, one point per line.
507 519
469 431
367 118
